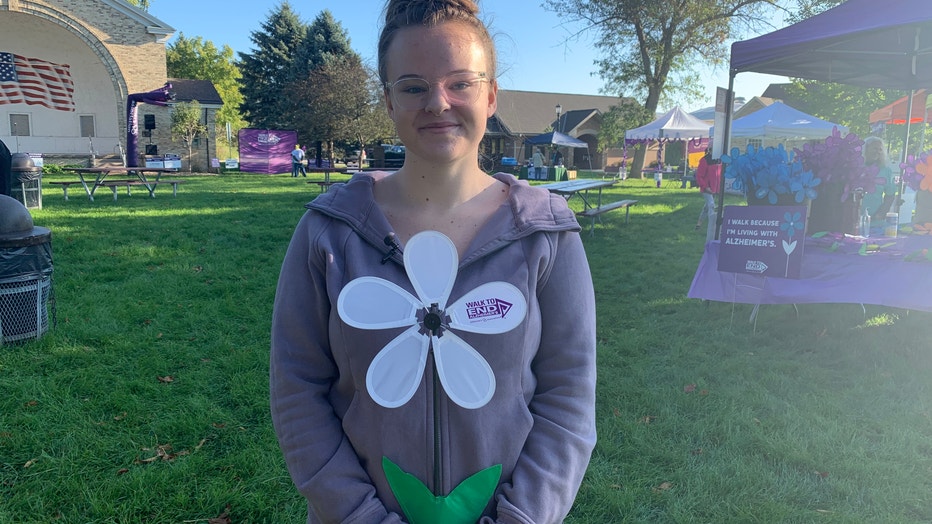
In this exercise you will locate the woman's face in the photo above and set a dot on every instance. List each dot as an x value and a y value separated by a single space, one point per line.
440 132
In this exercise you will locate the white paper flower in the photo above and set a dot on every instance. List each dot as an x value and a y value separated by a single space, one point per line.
430 261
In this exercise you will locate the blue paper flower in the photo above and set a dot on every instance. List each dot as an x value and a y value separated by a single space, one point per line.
792 222
769 173
804 186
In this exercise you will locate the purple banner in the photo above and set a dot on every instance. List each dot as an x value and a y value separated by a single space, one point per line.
266 150
763 240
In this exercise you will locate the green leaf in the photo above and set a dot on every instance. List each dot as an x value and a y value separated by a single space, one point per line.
464 505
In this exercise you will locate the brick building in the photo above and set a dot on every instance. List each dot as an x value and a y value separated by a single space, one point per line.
525 114
95 54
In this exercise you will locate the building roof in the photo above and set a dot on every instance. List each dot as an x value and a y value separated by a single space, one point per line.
708 113
153 25
754 104
187 90
533 113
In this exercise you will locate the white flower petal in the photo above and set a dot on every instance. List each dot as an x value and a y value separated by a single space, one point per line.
494 307
466 376
376 303
431 262
395 373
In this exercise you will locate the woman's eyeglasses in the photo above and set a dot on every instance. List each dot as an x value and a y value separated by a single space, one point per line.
459 89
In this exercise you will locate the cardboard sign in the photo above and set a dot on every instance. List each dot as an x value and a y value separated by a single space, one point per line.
763 240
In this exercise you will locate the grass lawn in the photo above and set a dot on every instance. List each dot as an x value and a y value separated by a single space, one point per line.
149 400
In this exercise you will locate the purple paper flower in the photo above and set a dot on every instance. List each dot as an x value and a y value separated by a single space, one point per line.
838 161
915 170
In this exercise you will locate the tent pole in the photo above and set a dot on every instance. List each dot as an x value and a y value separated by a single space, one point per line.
901 185
726 146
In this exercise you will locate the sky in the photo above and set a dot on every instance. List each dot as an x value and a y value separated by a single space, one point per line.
537 50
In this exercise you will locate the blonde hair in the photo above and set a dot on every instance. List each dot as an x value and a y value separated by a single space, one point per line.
874 152
400 14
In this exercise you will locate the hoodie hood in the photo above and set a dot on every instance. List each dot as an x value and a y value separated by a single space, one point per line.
527 210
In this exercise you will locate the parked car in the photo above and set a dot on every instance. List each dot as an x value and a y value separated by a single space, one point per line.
352 159
394 156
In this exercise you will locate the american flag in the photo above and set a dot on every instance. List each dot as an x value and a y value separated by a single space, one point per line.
35 82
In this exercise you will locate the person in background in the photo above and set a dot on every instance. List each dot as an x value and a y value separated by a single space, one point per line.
538 160
536 433
558 158
297 162
879 203
709 180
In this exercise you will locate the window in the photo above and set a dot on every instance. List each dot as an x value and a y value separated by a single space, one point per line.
87 126
756 142
19 125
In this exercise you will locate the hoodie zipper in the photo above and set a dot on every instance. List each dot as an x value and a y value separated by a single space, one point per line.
438 436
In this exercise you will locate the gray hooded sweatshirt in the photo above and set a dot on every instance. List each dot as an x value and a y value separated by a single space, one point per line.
539 424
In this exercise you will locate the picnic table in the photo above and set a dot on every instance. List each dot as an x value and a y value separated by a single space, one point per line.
325 183
90 178
581 188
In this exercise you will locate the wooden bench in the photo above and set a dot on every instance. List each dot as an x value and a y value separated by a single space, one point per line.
65 185
321 184
594 212
115 184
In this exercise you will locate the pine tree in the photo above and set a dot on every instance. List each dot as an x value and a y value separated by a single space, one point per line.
270 67
326 43
331 86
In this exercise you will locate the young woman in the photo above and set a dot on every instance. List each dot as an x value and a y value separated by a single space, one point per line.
537 430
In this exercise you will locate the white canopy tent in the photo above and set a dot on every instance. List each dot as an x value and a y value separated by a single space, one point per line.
779 120
674 125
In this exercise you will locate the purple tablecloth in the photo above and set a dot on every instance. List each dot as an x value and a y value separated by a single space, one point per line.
898 275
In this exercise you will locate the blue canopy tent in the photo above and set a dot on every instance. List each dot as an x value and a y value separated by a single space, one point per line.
557 138
856 42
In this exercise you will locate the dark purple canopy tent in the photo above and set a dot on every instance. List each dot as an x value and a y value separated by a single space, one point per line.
860 42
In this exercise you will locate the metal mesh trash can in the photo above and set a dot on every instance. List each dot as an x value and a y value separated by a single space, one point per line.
25 276
27 181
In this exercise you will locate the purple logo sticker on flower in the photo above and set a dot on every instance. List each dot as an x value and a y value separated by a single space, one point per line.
480 310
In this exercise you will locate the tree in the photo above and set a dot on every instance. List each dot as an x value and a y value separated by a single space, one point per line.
345 101
329 87
620 118
270 67
142 4
201 60
847 105
326 42
808 8
651 48
186 125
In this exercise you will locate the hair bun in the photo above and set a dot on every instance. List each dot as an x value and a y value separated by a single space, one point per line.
428 12
431 13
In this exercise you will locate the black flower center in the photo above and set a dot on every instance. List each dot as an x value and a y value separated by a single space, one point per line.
433 319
